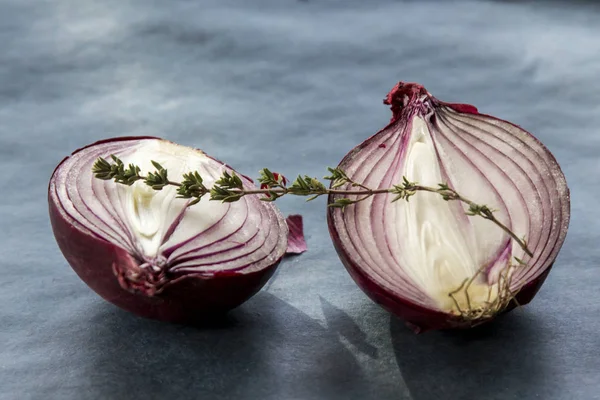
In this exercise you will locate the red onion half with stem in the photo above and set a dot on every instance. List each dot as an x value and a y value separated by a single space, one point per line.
148 252
425 259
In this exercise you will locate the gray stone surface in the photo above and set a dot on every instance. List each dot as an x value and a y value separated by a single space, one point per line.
291 85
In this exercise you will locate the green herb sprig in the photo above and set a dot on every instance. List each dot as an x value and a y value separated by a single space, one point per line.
230 188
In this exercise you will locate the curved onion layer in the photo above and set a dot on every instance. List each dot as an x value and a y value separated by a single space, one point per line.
410 256
145 250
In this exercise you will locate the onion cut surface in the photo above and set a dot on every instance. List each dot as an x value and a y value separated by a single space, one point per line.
409 256
147 251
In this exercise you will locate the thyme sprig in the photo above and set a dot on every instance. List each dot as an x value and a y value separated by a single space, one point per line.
230 188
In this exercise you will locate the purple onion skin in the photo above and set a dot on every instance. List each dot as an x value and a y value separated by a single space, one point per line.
190 300
417 318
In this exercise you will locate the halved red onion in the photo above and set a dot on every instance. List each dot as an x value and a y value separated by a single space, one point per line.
409 256
145 250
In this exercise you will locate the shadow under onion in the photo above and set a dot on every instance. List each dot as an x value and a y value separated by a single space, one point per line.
263 349
485 362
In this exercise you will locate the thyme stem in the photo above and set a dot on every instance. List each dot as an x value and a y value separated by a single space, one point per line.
230 188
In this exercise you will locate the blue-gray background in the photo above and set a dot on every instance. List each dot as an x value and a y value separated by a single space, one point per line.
291 85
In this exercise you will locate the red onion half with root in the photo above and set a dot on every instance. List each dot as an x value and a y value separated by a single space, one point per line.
425 260
148 252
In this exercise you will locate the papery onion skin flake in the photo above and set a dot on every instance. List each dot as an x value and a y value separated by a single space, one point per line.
162 279
409 256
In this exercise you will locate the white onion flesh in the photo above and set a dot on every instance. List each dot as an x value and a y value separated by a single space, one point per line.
159 229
